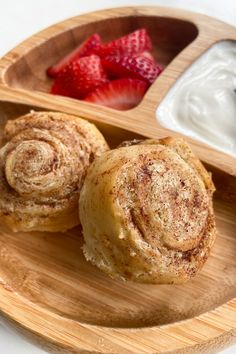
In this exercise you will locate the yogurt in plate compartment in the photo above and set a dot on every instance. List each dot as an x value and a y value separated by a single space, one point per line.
202 103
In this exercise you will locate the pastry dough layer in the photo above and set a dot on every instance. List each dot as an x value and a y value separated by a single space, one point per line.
146 212
42 167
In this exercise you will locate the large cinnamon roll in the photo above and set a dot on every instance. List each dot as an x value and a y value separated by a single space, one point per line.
42 167
153 218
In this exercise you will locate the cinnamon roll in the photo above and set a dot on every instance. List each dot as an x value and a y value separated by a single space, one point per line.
153 219
42 167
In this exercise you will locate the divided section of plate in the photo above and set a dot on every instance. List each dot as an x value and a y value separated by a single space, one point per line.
178 37
56 294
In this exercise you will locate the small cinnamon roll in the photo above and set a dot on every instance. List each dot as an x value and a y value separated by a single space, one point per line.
153 219
42 168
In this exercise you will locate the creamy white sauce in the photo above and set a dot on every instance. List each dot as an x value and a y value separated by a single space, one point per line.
202 103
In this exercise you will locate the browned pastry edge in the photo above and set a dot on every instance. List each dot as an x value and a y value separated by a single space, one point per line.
42 168
121 234
183 150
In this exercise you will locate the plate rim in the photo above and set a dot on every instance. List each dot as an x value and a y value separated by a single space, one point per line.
220 321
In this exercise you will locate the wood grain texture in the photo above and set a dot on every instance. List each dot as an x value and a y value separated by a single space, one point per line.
187 36
47 287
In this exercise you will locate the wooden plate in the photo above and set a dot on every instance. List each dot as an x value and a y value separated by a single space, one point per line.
46 285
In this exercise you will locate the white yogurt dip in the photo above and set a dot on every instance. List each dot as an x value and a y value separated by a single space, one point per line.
202 103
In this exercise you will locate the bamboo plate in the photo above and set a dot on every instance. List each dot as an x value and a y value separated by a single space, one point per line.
47 288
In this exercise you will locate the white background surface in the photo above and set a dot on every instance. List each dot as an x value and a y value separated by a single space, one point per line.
21 18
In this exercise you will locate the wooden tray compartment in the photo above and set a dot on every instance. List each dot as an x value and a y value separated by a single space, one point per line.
63 300
169 37
64 287
171 31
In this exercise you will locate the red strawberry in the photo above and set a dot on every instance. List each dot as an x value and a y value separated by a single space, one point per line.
80 77
148 55
85 49
137 67
151 57
121 94
132 43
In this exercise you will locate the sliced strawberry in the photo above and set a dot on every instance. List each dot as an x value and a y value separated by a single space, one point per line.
121 94
135 42
151 57
148 55
85 49
138 67
59 89
80 77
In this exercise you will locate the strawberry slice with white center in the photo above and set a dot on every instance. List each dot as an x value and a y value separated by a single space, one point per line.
148 55
138 67
85 49
135 42
120 94
80 77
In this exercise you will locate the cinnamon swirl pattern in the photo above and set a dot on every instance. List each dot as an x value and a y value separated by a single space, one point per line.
154 222
42 167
